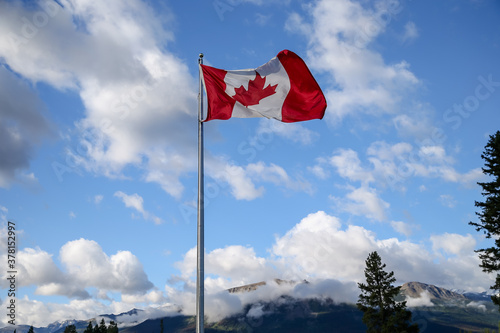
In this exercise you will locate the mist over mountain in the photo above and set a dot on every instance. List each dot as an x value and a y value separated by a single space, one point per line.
433 308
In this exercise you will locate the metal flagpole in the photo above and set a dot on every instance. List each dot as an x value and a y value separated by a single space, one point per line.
200 276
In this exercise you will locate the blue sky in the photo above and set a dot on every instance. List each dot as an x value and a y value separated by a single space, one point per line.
99 163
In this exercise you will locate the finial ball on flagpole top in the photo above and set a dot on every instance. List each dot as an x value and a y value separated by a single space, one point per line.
201 55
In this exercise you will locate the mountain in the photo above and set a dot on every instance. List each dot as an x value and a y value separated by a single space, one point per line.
415 290
255 286
445 311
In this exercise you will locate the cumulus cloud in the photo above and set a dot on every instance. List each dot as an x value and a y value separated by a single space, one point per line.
152 297
123 86
243 180
85 265
238 265
363 201
39 269
348 165
88 265
391 165
330 256
340 34
320 248
455 244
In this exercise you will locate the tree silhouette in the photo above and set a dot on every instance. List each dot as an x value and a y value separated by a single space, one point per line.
102 327
489 216
70 329
89 328
113 327
381 313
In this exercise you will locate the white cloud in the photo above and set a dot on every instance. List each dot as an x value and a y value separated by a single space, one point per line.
135 201
477 305
410 32
38 268
88 265
126 119
320 248
242 180
453 243
319 170
41 314
242 186
424 299
84 265
340 33
152 297
402 227
392 164
348 166
237 265
363 201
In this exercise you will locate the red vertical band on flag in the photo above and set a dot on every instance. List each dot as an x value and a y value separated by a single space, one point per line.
305 100
220 104
300 96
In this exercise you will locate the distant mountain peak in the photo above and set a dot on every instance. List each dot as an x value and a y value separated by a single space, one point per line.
254 286
415 290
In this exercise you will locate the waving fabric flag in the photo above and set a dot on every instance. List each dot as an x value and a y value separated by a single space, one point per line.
283 89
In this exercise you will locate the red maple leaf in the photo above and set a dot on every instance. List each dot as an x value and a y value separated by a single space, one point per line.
255 92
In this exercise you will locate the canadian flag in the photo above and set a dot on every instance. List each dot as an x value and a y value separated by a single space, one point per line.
283 89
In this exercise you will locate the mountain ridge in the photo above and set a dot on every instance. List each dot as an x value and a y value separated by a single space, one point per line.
415 290
292 313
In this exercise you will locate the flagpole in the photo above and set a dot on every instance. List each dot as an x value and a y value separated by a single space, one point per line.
200 275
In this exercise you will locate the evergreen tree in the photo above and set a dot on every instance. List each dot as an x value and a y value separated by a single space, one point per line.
70 329
113 327
102 327
381 313
31 330
89 328
489 216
